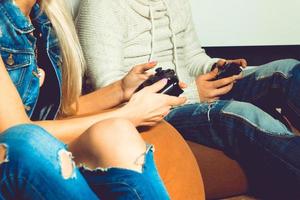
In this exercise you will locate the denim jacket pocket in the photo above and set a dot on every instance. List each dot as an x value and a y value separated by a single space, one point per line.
17 63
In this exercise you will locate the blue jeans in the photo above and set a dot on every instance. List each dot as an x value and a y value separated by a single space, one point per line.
33 169
243 124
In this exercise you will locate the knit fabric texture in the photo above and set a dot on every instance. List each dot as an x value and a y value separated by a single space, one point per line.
118 34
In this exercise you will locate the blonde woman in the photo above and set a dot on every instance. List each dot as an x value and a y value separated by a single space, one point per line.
41 110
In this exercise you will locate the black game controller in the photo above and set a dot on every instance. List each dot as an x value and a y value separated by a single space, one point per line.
229 69
172 87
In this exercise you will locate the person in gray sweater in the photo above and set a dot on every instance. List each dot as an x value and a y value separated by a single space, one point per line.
236 114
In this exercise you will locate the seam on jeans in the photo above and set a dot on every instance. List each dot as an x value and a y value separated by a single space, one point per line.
262 93
293 107
3 179
281 74
26 94
242 119
266 149
32 187
201 105
122 183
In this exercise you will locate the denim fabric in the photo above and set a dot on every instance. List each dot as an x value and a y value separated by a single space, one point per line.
126 184
270 86
239 124
17 49
33 170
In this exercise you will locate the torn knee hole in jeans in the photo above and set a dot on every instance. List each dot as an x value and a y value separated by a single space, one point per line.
138 166
67 164
139 163
3 154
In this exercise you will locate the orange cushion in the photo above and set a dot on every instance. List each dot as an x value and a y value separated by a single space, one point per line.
175 162
222 176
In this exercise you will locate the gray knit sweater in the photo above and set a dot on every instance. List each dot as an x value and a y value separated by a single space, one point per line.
119 34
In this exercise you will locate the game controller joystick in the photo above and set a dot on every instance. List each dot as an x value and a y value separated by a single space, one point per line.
171 88
229 69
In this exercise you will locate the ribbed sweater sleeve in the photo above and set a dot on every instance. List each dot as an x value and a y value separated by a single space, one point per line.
101 32
197 61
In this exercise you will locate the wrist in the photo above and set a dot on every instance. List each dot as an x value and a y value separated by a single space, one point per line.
121 91
126 113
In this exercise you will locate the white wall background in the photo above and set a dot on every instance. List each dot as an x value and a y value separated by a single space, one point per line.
247 22
244 22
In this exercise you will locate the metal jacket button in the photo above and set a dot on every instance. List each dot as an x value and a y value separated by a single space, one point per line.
36 74
59 64
27 108
40 74
10 61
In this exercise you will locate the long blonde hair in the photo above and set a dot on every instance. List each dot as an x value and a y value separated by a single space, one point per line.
73 64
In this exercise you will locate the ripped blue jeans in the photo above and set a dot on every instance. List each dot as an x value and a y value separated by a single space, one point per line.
35 165
246 126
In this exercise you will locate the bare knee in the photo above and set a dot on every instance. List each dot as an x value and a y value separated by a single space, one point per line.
114 142
113 132
115 136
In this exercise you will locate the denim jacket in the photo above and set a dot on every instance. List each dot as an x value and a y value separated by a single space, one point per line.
17 49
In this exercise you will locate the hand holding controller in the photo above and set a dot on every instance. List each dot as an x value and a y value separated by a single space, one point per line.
229 69
171 88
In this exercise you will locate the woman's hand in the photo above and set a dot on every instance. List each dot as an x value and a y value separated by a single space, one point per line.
210 90
134 78
147 108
